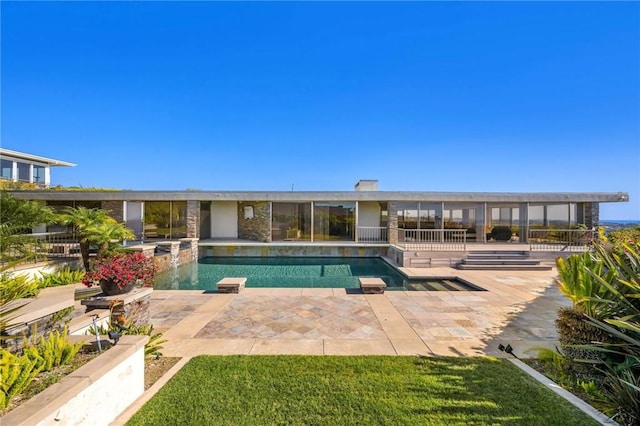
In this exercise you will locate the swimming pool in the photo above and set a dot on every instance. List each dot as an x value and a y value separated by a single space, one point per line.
306 272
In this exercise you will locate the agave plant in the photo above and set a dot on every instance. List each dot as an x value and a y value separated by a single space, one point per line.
580 280
620 353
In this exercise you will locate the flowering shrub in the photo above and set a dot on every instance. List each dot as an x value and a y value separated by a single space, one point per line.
628 236
122 269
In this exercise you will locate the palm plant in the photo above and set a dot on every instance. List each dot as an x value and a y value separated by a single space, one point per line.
94 227
106 233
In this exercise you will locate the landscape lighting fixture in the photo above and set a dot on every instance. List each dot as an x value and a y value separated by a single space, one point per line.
115 336
508 349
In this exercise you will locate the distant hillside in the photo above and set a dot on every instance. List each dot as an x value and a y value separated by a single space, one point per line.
612 225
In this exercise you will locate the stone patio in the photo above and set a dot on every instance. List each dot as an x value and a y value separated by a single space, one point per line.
519 308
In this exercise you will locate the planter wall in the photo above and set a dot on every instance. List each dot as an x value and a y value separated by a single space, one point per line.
163 262
95 394
51 310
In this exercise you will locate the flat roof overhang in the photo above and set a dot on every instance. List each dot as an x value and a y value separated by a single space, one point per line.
30 157
304 196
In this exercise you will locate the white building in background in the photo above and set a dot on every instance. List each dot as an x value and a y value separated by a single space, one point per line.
28 168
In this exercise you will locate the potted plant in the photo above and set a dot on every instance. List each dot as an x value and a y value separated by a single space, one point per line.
120 273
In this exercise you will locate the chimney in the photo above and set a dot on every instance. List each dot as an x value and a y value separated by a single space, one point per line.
367 185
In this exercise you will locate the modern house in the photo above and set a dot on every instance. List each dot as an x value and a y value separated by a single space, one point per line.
398 224
27 168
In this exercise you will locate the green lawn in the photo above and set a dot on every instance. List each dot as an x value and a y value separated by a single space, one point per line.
368 390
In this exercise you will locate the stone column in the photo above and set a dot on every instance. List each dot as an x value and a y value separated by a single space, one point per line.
190 244
258 227
592 216
115 209
392 226
173 248
193 219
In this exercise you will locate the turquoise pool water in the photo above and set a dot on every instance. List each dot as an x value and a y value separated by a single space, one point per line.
306 272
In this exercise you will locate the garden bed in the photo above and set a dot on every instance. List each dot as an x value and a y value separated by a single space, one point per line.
112 381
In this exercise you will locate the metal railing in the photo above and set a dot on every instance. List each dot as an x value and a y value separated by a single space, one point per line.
433 239
372 234
560 239
41 246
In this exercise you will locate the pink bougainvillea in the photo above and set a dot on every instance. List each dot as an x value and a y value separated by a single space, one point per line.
122 269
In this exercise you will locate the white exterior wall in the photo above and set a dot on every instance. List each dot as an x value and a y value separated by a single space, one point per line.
368 213
224 219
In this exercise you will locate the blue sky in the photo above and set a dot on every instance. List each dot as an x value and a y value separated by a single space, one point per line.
425 96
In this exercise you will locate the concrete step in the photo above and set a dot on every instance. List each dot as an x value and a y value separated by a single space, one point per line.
497 256
498 253
504 267
500 262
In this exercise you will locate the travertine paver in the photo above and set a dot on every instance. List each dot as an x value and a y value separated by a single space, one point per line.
302 317
169 307
518 308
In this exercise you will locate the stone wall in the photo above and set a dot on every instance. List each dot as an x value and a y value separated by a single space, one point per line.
294 250
51 310
15 337
128 308
592 215
393 222
162 262
133 313
193 219
257 228
115 209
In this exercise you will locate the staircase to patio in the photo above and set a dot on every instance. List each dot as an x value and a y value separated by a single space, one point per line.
505 260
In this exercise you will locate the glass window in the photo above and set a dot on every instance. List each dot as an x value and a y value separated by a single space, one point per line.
291 221
178 219
38 174
558 216
164 220
430 216
6 169
408 215
503 215
24 171
157 220
333 221
536 216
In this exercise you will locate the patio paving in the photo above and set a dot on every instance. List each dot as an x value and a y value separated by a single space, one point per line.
519 308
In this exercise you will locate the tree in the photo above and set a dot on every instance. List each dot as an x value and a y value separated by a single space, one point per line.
95 227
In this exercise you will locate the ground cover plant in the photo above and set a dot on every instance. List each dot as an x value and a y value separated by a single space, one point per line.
354 390
63 276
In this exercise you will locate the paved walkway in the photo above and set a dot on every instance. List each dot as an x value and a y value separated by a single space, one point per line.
518 308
